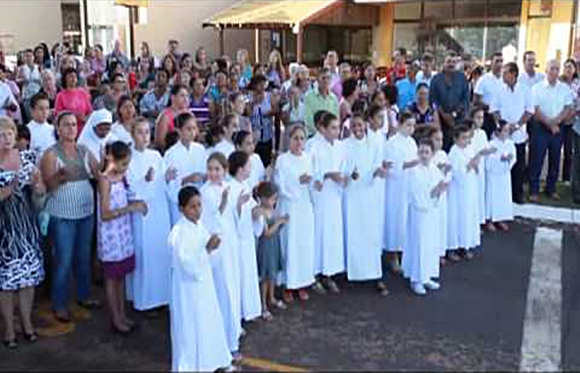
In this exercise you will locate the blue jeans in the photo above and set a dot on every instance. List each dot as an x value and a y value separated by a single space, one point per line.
543 141
72 250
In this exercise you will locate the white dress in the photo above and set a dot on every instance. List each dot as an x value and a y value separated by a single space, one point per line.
119 133
225 147
225 260
463 208
249 280
297 237
150 280
478 143
198 339
363 256
399 150
421 259
258 173
499 181
311 141
186 161
376 227
441 158
328 245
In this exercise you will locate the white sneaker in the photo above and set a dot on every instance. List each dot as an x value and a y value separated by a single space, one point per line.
418 288
432 285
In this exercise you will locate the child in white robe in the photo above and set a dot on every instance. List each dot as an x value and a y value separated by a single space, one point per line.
499 187
481 146
218 217
293 176
329 179
441 161
147 177
187 158
244 141
223 135
245 213
464 228
421 259
401 156
318 135
198 339
363 256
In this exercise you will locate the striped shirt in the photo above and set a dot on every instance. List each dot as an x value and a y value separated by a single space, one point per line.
200 110
262 126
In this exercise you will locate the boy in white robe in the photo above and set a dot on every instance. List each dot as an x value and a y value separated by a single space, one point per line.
188 158
198 340
464 220
401 156
363 255
421 259
499 187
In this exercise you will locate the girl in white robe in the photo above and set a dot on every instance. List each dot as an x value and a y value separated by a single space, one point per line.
401 155
464 228
245 213
421 259
328 170
245 142
499 187
293 176
223 136
147 175
187 158
219 219
363 256
441 161
198 339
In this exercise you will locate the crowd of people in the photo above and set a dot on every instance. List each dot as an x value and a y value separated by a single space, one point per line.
207 185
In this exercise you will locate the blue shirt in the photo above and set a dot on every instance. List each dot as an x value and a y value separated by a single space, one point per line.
450 97
149 103
406 92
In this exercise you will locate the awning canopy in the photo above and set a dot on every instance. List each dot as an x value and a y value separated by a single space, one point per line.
138 3
271 14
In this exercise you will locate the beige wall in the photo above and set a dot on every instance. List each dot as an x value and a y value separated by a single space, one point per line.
26 23
182 20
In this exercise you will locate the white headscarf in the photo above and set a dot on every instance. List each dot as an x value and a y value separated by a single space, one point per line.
88 135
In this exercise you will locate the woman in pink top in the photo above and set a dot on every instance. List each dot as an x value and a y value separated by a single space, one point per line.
165 124
74 99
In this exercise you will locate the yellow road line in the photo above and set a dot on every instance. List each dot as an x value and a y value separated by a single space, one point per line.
270 366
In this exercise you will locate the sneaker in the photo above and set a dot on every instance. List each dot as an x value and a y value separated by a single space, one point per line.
432 285
303 295
418 288
317 287
332 286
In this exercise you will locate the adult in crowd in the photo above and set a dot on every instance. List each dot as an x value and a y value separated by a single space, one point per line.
73 98
369 83
202 64
157 99
449 92
345 71
49 87
486 90
407 87
96 133
166 121
351 95
570 78
21 261
275 73
427 69
530 76
553 101
398 70
122 129
263 109
174 50
424 112
319 98
243 58
67 169
514 104
331 62
201 105
29 78
8 102
117 55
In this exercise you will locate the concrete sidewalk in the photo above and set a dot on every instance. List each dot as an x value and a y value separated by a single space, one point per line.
556 214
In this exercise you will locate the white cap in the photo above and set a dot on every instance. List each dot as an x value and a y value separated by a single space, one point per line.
99 117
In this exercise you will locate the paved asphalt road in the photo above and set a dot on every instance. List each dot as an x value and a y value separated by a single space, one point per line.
473 323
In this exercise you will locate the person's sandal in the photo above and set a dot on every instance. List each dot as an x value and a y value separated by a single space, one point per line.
303 295
32 337
279 304
90 305
62 317
267 316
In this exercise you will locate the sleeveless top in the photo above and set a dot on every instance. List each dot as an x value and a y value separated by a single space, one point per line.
171 116
75 198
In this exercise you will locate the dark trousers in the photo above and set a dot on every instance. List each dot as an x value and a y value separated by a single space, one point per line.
542 141
519 173
264 150
567 137
576 167
489 125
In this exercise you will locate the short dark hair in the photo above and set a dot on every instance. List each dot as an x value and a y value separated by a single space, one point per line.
240 136
237 160
40 96
220 158
374 110
349 86
405 116
451 53
461 129
426 141
391 93
319 115
528 54
421 85
427 57
327 119
23 132
66 73
265 189
182 119
118 150
496 54
186 194
512 68
256 79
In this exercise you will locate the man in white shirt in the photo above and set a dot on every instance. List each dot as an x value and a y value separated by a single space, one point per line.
553 102
530 76
514 104
42 135
487 89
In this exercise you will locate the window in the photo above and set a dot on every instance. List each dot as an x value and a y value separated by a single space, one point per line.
352 45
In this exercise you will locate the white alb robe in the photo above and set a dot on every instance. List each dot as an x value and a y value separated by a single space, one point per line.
225 260
398 150
150 282
225 147
249 280
463 203
258 173
119 133
478 143
297 237
377 141
363 256
440 158
198 339
421 260
329 245
186 160
499 204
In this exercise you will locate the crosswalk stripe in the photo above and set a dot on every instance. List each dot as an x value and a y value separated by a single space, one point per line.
541 340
